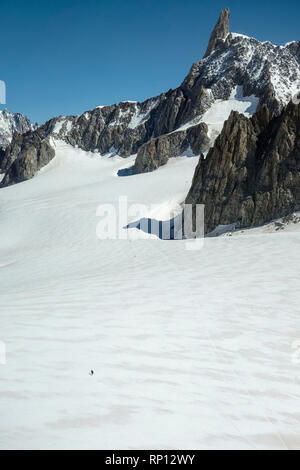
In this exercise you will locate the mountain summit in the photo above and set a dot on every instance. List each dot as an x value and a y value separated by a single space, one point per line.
220 31
10 123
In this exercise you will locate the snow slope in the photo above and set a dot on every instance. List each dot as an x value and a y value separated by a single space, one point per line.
220 111
191 349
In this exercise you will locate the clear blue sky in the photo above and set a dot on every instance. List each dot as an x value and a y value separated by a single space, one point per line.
64 57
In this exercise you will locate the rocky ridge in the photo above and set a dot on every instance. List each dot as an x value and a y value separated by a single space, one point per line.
11 123
252 174
263 70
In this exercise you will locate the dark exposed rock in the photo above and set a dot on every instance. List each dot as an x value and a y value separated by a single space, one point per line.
121 128
198 138
252 174
20 143
27 154
156 152
220 31
125 127
2 154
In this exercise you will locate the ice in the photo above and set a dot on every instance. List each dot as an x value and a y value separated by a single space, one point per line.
238 35
59 124
65 125
140 117
191 349
220 110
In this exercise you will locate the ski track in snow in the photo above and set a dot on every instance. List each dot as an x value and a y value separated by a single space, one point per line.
191 349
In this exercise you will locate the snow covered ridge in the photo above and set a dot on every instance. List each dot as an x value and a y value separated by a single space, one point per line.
265 70
220 110
10 123
127 114
63 125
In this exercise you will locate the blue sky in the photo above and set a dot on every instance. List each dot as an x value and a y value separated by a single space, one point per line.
64 57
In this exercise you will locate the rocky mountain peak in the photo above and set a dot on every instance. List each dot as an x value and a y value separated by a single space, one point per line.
238 73
10 123
220 31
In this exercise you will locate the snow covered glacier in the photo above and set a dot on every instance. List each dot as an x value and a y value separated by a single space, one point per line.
191 349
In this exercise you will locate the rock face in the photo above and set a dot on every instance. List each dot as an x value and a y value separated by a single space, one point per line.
220 31
25 155
118 128
10 123
269 73
252 174
156 152
123 128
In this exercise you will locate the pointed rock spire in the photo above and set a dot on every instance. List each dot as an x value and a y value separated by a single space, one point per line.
220 31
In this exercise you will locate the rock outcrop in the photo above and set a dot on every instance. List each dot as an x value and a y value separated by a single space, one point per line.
156 152
118 128
26 154
252 174
220 31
